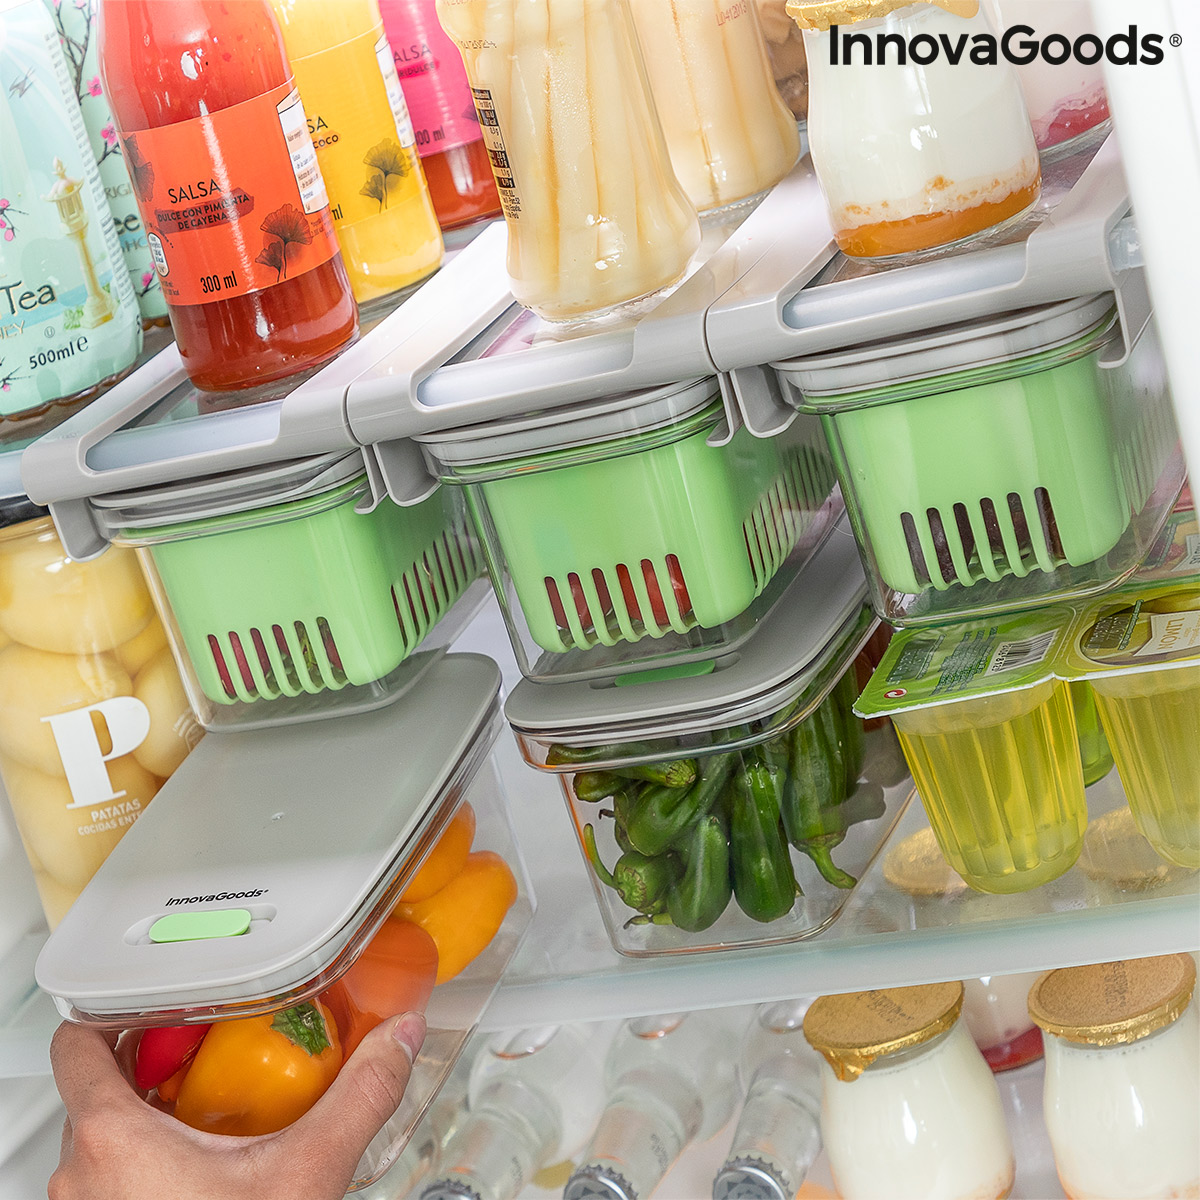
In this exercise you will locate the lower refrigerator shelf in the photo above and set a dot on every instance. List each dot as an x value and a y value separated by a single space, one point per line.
1119 901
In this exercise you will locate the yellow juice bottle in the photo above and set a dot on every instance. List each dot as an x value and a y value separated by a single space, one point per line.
359 122
1002 784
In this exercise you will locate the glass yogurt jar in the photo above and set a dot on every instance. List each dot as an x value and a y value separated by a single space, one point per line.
1122 1092
949 153
909 1107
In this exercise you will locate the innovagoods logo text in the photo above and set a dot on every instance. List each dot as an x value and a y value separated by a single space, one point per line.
1019 45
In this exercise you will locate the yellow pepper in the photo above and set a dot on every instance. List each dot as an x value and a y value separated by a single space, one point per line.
260 1074
464 916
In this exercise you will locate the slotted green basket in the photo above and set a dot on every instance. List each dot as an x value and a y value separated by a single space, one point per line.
1027 462
649 534
308 595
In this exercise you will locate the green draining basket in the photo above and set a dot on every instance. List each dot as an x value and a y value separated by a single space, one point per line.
649 534
1026 462
308 595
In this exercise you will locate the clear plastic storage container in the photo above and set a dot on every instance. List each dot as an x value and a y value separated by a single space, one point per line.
634 531
288 593
364 897
1122 1091
93 716
919 153
737 808
1000 463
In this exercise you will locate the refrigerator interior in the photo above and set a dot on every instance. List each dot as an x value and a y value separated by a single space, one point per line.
566 969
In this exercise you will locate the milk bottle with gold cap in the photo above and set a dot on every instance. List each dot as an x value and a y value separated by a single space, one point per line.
909 1107
1122 1091
916 123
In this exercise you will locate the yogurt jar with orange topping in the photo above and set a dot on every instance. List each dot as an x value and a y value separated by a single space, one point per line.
916 144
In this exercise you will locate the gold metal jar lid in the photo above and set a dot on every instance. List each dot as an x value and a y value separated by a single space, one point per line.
918 867
821 14
1110 1004
1115 853
853 1030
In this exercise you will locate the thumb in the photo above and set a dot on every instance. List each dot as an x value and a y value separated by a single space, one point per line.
361 1100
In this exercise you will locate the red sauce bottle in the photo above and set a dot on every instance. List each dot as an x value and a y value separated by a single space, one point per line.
449 139
228 188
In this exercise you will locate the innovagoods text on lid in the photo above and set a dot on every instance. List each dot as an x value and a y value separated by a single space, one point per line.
288 593
733 808
274 870
999 463
635 531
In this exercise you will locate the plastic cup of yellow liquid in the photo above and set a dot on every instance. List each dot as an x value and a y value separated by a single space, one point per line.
1002 784
1153 725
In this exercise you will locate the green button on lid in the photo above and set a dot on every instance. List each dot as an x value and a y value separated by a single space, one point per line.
197 926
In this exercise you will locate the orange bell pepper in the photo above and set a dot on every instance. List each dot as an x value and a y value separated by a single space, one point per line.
463 917
446 859
259 1074
394 974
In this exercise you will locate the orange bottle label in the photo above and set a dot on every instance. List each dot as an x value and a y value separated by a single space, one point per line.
232 202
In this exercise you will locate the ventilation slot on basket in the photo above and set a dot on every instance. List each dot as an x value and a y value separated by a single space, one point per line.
429 587
989 541
251 666
596 608
786 512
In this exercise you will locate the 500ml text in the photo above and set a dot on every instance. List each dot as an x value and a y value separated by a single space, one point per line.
1019 45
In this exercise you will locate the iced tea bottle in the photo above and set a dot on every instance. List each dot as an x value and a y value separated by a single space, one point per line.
449 137
364 139
226 178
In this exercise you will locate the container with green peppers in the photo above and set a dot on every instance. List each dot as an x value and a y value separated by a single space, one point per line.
736 807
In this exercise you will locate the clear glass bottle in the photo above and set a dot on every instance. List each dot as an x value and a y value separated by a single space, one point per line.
596 218
950 152
785 51
729 134
669 1085
778 1135
523 1116
1122 1091
909 1107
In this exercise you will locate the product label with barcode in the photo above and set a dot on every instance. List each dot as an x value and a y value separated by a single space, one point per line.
1012 656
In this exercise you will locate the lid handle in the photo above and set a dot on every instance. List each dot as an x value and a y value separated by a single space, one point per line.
403 471
758 398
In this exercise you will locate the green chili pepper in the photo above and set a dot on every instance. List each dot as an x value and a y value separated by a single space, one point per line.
703 891
566 756
658 815
763 881
812 797
853 748
622 801
591 786
639 880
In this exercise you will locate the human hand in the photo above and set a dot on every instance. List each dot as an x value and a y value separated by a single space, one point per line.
117 1147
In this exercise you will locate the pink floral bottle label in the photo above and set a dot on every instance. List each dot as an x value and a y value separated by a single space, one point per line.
433 77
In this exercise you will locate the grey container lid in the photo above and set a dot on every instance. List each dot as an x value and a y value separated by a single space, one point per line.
588 423
220 495
775 664
981 342
315 821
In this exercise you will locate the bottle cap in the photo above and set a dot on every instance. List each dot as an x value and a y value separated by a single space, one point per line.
821 14
918 867
591 1182
1110 1004
450 1189
748 1179
853 1030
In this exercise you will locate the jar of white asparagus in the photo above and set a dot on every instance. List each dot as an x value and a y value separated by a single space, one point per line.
596 219
729 134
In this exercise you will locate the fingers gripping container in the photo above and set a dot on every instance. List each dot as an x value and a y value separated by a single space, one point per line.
634 531
999 463
288 592
311 935
737 808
